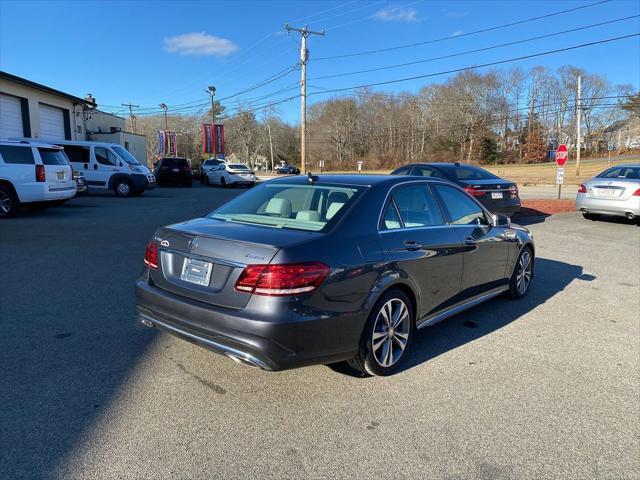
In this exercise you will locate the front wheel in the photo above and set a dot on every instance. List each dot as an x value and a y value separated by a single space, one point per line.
387 335
122 188
522 274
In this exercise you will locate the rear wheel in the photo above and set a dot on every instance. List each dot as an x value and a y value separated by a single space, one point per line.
123 188
8 202
387 335
522 274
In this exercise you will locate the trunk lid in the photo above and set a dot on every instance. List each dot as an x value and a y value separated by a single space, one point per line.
201 259
612 189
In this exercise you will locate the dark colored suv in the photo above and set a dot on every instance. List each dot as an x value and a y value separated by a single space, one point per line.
174 171
495 193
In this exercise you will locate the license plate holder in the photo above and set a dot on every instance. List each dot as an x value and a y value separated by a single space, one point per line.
496 195
196 271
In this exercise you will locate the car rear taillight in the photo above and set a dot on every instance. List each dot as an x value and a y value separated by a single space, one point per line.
582 189
473 191
41 176
513 191
636 193
282 280
151 255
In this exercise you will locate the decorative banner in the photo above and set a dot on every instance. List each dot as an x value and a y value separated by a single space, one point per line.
219 139
213 139
172 144
162 142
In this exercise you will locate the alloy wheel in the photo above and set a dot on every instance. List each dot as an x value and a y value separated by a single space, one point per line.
5 203
124 189
391 332
523 278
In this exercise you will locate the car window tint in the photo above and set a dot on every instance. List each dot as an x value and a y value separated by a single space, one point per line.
52 156
104 156
391 220
426 172
174 162
462 209
417 206
621 172
16 155
402 171
467 172
611 173
77 153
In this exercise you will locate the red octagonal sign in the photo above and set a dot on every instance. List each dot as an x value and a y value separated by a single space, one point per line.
561 155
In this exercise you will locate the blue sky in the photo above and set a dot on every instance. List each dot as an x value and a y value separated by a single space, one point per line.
150 52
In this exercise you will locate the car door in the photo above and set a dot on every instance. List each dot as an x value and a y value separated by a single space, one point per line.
104 165
418 241
486 246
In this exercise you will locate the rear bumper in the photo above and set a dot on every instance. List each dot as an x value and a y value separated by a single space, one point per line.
289 341
504 207
43 192
608 207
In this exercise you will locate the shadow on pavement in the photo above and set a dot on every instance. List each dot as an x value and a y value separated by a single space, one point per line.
551 277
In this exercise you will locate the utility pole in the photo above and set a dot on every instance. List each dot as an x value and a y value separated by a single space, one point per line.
164 107
304 58
578 124
270 143
211 90
132 117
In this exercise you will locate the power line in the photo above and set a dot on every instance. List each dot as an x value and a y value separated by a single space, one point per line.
516 42
500 62
476 32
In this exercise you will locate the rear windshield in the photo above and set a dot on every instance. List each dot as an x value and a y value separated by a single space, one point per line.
314 208
51 156
174 162
632 173
238 166
467 172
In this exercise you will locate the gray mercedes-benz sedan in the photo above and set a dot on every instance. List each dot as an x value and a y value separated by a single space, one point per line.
328 268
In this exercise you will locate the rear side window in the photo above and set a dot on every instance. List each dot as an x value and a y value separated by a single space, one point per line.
462 209
417 206
52 156
621 172
391 220
17 155
77 153
402 171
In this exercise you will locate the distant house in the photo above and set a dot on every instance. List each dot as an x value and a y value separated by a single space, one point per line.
32 110
623 134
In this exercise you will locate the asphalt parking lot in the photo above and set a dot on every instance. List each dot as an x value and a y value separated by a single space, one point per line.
546 387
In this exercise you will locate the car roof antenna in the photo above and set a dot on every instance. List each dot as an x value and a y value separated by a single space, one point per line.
311 177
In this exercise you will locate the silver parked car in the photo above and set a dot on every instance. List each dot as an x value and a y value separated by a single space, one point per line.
616 191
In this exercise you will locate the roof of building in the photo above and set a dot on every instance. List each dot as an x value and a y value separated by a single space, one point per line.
28 83
617 125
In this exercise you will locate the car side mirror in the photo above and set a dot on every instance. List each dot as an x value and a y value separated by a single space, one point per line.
498 220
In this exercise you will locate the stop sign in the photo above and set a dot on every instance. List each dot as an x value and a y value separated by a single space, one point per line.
561 155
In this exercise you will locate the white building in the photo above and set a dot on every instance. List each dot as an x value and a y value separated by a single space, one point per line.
29 109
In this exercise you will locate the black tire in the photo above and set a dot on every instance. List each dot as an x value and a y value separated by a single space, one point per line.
516 290
371 360
189 184
591 216
223 182
207 182
202 179
8 202
123 188
137 193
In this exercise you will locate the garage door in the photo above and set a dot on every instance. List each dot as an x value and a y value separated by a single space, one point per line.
51 123
10 117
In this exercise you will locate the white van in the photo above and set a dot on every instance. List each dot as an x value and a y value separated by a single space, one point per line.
33 174
108 166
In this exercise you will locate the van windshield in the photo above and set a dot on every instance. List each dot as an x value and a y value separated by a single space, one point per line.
126 156
314 208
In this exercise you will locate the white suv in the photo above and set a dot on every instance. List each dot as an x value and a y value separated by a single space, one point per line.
33 173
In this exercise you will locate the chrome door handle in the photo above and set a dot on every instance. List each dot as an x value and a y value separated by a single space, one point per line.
412 246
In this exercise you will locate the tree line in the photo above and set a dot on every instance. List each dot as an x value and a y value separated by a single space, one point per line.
501 116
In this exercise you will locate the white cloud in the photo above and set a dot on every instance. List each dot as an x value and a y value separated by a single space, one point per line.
397 14
199 43
457 33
